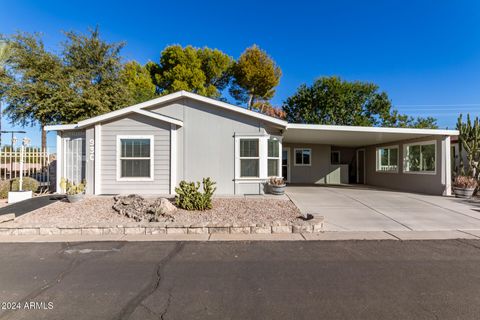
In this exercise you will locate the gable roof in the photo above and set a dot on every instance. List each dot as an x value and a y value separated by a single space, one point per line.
139 108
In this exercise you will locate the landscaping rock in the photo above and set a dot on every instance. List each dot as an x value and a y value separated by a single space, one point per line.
136 207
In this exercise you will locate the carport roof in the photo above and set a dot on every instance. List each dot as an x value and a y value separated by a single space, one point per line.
354 136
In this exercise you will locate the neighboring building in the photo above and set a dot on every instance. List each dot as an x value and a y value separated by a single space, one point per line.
150 147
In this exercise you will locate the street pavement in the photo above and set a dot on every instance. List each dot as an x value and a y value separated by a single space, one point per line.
241 280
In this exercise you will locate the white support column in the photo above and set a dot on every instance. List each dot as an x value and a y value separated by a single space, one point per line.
98 159
446 157
59 168
173 158
263 153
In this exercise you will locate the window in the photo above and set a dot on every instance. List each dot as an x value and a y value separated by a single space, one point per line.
387 159
335 157
249 158
303 157
273 157
135 157
420 157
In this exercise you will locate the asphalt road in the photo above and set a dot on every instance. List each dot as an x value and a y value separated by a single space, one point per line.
240 280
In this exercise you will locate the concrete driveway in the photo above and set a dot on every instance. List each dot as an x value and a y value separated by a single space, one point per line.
362 208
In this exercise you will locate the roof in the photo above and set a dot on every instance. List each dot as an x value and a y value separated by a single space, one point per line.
355 136
139 108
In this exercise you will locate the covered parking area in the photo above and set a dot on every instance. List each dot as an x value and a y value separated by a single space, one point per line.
365 208
403 159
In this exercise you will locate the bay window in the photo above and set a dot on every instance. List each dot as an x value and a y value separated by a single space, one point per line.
387 159
257 157
249 158
420 157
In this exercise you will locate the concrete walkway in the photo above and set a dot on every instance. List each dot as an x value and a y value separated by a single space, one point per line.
361 208
329 236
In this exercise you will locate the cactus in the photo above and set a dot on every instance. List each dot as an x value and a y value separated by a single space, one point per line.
469 139
190 198
71 188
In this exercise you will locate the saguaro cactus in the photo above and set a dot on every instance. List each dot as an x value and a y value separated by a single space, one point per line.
469 138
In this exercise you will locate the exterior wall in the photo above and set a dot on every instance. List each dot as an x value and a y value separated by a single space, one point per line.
411 182
134 124
348 157
206 143
320 171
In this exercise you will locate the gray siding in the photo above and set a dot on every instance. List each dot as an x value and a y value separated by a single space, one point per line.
206 144
134 124
422 183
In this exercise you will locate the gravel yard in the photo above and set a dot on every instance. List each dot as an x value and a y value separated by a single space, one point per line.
98 210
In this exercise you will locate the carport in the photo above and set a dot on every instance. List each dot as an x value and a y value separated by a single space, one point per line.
404 159
365 208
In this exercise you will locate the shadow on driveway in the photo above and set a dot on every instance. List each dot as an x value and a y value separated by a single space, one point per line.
22 207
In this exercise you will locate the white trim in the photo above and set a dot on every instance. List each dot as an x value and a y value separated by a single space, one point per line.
364 166
339 157
448 166
173 158
405 157
289 158
159 117
59 164
97 177
261 149
378 159
118 158
372 129
164 99
295 164
279 158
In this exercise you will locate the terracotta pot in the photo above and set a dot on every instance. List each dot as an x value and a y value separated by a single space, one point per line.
463 192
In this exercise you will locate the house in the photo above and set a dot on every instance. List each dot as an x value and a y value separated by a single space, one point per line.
150 147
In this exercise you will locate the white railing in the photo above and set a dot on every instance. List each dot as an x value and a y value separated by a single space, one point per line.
35 164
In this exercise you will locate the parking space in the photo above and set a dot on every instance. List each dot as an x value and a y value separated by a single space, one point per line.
363 208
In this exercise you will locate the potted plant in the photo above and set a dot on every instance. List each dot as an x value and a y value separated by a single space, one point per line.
464 186
277 185
75 191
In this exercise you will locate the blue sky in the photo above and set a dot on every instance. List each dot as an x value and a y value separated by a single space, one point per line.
424 54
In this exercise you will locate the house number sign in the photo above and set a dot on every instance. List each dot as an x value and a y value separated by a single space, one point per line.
91 149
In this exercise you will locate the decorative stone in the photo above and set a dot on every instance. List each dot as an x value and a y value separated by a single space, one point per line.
138 208
261 230
281 229
7 217
49 231
218 230
302 228
135 230
8 232
71 231
92 231
238 230
197 230
318 227
28 231
114 230
155 230
177 230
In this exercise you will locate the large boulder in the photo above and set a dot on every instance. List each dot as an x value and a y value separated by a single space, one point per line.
139 209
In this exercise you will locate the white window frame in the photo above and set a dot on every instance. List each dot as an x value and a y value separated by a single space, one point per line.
295 157
240 158
405 158
379 159
119 162
279 158
339 157
262 156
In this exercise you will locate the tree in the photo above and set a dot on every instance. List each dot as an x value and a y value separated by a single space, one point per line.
138 81
331 100
46 88
255 76
203 71
469 139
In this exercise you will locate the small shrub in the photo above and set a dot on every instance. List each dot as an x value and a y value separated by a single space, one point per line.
465 182
190 198
275 181
4 188
29 184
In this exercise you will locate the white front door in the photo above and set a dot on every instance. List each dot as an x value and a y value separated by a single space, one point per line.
286 164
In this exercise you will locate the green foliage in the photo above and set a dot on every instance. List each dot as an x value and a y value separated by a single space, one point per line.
70 188
331 100
255 76
203 71
190 198
138 82
28 184
469 139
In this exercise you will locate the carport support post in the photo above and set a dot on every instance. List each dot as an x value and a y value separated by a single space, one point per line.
446 166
